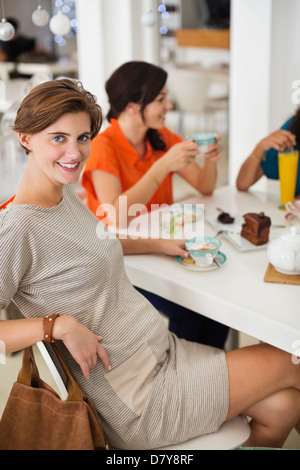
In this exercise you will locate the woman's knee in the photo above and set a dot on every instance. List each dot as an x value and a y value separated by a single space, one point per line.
277 415
257 372
282 410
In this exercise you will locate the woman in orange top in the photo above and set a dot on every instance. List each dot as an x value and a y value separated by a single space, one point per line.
137 155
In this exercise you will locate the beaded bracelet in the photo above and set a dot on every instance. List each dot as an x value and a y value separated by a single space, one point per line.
48 323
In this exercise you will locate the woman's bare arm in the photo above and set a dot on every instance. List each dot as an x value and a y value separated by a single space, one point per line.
251 170
159 246
19 334
109 190
82 343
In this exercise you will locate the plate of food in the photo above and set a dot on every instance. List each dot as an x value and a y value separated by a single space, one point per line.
182 221
247 233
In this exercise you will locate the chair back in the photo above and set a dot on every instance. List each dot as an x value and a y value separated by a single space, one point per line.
63 392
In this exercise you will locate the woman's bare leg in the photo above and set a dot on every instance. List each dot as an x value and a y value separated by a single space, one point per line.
274 418
264 384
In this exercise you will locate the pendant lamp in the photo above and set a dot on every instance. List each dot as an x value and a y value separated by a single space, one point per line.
60 24
7 30
40 17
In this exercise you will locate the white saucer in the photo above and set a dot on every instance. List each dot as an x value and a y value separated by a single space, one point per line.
196 267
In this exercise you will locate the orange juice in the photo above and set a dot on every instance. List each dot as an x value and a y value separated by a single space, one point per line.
288 165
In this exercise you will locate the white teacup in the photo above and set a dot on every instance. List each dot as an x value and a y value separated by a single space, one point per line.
203 140
203 250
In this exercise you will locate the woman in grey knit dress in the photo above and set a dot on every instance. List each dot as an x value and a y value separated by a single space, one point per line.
150 388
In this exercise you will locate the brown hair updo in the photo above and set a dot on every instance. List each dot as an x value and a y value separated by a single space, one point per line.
47 102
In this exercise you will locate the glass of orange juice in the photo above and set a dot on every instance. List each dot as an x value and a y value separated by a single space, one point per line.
288 166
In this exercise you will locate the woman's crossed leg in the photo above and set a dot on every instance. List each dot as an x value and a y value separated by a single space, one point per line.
264 384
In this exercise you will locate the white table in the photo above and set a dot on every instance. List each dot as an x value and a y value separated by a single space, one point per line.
235 295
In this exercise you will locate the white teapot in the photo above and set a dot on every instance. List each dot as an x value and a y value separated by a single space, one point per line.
284 252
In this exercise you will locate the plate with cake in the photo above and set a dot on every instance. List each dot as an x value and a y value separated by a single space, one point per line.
247 233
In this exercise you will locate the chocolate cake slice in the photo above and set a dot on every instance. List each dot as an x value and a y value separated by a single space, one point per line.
256 228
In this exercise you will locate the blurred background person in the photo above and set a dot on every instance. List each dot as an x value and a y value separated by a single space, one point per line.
264 158
10 50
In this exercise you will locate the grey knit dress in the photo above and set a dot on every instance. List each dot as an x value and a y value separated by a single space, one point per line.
161 389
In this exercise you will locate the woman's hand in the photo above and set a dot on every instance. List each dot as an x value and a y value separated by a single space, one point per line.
172 247
251 170
82 344
213 154
278 140
154 245
178 157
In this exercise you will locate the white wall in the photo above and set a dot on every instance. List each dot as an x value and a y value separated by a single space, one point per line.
110 33
285 59
249 78
264 61
90 47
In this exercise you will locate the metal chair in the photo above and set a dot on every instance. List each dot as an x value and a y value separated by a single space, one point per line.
232 434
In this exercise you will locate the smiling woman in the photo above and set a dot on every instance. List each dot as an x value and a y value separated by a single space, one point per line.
57 140
46 103
150 387
57 154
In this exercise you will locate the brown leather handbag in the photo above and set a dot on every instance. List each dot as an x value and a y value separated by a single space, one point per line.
35 417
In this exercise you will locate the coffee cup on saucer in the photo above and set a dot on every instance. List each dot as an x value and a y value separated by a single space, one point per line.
203 250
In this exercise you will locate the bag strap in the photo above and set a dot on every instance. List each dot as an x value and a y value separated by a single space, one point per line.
74 391
29 374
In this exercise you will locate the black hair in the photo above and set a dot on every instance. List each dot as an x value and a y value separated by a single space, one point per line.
136 82
295 125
